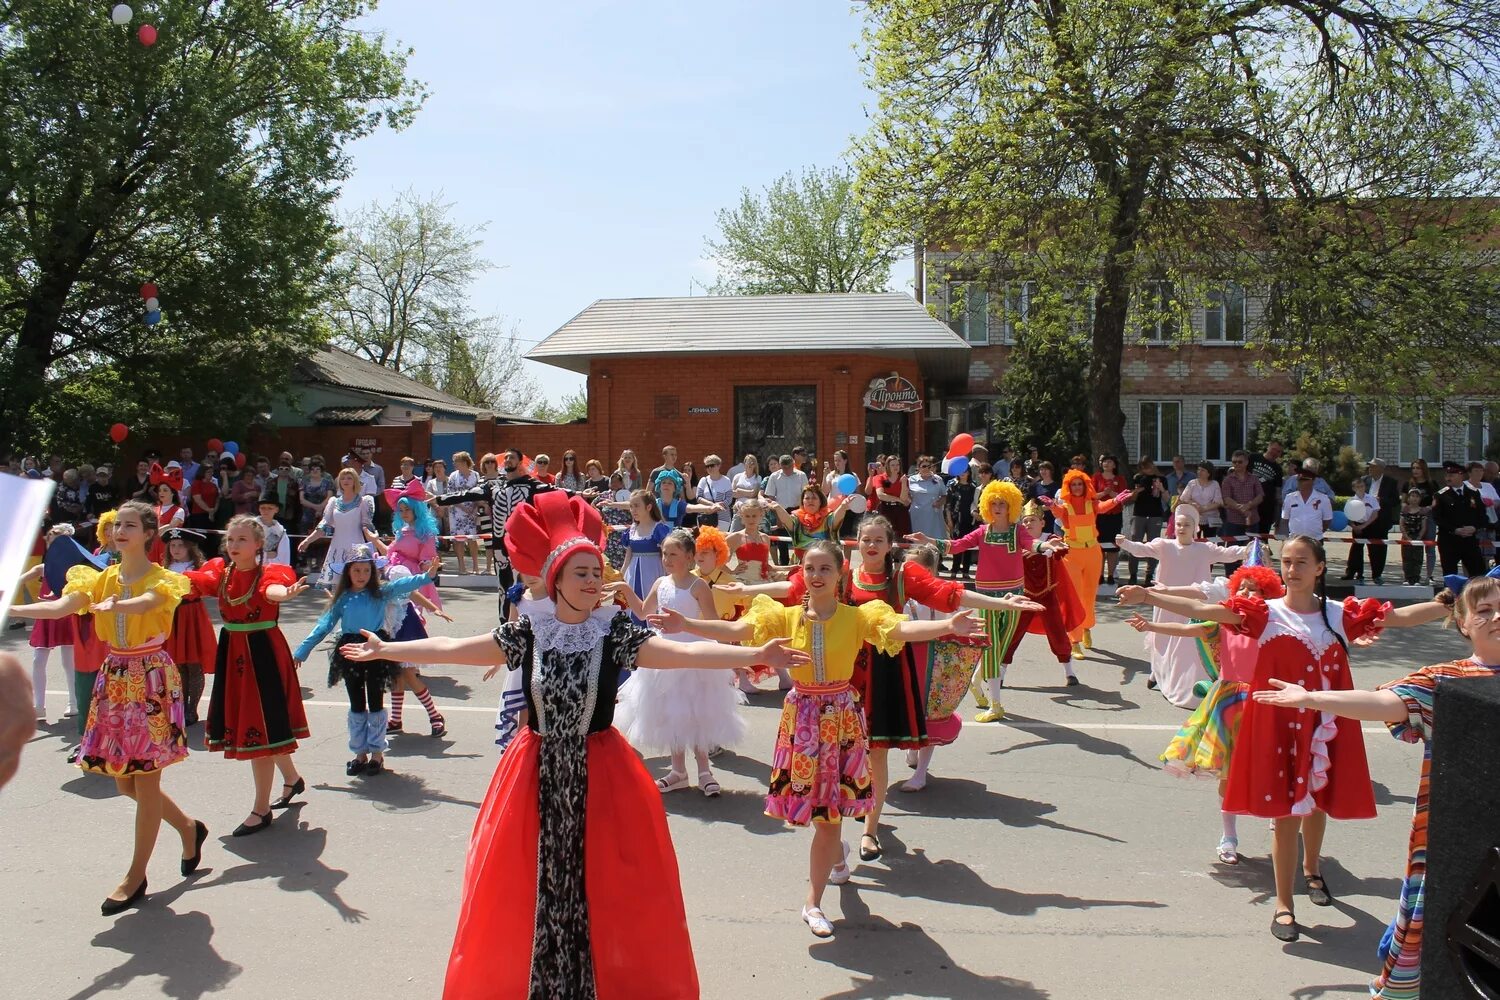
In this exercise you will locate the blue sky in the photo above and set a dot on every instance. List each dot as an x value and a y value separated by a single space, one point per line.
598 139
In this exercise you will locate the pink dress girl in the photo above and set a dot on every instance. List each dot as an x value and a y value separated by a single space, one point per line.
416 542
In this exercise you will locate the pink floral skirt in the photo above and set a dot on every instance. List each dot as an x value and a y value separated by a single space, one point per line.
820 770
136 723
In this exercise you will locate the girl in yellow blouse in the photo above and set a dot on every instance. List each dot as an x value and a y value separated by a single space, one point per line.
136 725
820 768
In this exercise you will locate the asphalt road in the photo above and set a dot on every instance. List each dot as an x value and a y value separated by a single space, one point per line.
1050 857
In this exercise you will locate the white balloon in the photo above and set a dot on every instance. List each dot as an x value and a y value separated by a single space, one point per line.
1355 510
121 13
152 305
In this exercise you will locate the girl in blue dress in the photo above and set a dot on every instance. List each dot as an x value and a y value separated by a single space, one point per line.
643 539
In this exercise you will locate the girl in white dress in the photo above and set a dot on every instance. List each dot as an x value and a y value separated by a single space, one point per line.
669 710
348 520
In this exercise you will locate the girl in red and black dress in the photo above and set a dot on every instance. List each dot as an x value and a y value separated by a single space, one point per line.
1107 483
191 644
255 712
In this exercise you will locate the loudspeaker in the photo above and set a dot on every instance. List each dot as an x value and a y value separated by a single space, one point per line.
1461 925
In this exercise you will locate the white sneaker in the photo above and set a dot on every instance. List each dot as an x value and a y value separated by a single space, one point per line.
840 874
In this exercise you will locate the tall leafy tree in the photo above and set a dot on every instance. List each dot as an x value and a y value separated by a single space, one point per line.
1340 155
404 273
804 233
207 164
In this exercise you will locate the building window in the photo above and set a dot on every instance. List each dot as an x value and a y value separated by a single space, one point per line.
969 311
968 416
1224 318
771 420
1083 311
1223 430
1158 311
1358 420
1422 438
1018 296
1483 431
1161 430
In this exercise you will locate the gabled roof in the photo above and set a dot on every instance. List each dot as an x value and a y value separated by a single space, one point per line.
345 414
334 366
882 322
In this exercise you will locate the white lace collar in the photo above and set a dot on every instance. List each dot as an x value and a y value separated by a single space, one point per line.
548 633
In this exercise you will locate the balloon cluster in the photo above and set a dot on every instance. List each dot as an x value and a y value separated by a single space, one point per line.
122 15
956 462
153 305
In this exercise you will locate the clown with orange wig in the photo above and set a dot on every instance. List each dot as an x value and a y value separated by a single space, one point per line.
1077 509
1001 542
1205 742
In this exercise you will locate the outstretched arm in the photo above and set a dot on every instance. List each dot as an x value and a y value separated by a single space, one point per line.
776 589
962 624
670 621
663 654
1187 629
974 599
1417 614
1367 706
474 650
1185 606
278 594
62 607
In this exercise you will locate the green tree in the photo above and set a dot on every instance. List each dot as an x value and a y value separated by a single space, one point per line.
802 234
1337 154
207 164
404 272
573 406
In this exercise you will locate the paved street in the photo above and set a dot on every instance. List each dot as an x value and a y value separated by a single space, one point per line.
1049 858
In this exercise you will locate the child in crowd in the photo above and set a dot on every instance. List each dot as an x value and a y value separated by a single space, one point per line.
191 645
643 538
277 549
1414 518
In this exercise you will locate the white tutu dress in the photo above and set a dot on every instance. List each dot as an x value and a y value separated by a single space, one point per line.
674 711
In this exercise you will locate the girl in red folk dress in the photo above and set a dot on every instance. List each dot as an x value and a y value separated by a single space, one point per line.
571 887
191 644
255 712
1289 764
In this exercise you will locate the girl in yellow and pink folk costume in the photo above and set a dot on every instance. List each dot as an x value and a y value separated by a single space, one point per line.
1001 541
136 725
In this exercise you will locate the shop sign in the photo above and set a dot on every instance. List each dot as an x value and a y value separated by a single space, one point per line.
893 393
703 409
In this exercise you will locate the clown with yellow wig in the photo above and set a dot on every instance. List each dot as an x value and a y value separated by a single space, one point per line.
1077 510
1001 542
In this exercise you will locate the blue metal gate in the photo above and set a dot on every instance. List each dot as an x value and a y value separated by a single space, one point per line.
444 445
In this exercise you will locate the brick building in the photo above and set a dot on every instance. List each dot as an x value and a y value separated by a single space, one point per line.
1191 389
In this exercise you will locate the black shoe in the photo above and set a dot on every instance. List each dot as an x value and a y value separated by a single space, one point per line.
374 767
355 766
73 756
245 830
1317 890
190 865
439 728
286 797
112 906
1150 683
1073 682
869 854
1281 931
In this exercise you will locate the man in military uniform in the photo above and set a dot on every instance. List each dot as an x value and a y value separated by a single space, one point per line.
1459 515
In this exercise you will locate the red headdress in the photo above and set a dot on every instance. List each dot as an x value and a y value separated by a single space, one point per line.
172 477
541 535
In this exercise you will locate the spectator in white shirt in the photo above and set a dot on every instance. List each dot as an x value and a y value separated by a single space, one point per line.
715 487
785 486
1305 511
1362 530
1205 494
746 484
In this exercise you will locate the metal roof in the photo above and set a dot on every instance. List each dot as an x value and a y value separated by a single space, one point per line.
337 367
345 414
882 322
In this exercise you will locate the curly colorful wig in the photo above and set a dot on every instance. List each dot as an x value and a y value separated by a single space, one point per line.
1264 578
999 489
1077 475
712 540
106 524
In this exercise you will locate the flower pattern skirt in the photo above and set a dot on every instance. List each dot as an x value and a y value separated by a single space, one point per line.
820 769
137 723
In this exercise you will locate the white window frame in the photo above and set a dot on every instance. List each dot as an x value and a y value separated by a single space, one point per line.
1404 455
1225 446
1083 307
1217 313
1011 320
1161 297
966 301
1354 412
1159 453
1489 429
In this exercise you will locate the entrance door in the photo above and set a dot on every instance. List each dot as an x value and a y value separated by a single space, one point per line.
885 434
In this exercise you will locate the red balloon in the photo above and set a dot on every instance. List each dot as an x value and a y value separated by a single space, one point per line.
147 35
215 445
961 445
118 433
148 291
239 460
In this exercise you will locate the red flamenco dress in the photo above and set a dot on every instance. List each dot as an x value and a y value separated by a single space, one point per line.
571 887
256 706
1294 761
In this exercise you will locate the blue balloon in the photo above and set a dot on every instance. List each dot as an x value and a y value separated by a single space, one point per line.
232 447
958 466
1340 521
153 317
847 484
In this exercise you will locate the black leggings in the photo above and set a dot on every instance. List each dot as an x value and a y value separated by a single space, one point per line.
365 683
